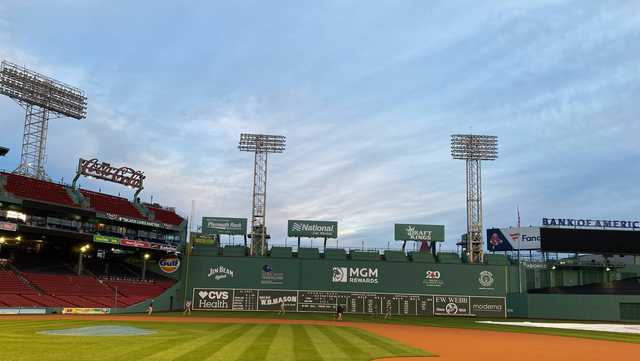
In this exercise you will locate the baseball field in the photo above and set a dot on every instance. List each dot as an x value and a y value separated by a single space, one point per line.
264 336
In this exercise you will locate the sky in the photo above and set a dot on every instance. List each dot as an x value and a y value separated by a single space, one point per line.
367 94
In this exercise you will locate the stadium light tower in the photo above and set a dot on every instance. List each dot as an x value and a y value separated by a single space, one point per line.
473 149
260 145
43 98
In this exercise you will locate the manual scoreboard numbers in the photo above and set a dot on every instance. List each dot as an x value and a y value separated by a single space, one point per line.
352 302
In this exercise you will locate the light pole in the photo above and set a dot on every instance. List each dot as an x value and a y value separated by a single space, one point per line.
144 266
1 243
473 149
83 249
260 145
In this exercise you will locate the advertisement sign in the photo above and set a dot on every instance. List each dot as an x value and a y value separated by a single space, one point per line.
312 229
224 225
220 272
341 274
106 239
22 311
451 305
419 232
590 223
511 239
85 311
8 226
488 307
142 222
148 245
270 300
169 264
269 276
134 243
212 299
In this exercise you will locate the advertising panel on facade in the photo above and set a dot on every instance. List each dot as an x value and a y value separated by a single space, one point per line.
512 239
419 232
224 225
312 229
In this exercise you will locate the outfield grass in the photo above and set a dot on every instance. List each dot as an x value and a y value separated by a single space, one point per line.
451 322
19 340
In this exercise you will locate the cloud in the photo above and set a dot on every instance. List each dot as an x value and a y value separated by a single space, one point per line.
367 97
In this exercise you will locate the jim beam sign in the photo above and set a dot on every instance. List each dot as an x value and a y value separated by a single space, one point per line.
312 229
419 232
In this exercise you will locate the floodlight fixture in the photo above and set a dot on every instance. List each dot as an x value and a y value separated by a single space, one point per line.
43 98
93 168
260 145
473 149
3 151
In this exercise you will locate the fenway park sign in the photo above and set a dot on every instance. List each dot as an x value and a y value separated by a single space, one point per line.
590 223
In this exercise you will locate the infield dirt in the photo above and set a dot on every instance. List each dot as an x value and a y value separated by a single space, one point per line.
450 344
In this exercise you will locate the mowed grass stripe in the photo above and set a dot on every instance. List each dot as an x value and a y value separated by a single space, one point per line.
371 346
282 347
384 343
303 347
183 348
344 343
328 350
260 347
238 346
147 345
202 352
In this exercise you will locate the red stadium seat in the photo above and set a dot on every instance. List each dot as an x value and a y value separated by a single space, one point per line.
36 189
111 204
165 216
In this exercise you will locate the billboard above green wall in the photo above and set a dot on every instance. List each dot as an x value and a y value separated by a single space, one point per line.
312 229
419 232
224 225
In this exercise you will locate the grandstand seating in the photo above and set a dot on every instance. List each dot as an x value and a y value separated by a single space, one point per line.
335 253
165 216
448 257
15 300
395 256
281 252
111 204
364 255
31 188
422 257
65 285
206 250
139 289
10 283
308 253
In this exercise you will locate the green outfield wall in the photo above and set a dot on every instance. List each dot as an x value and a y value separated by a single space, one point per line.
321 285
574 307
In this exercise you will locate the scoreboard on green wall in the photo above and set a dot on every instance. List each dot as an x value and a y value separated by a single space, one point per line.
228 299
